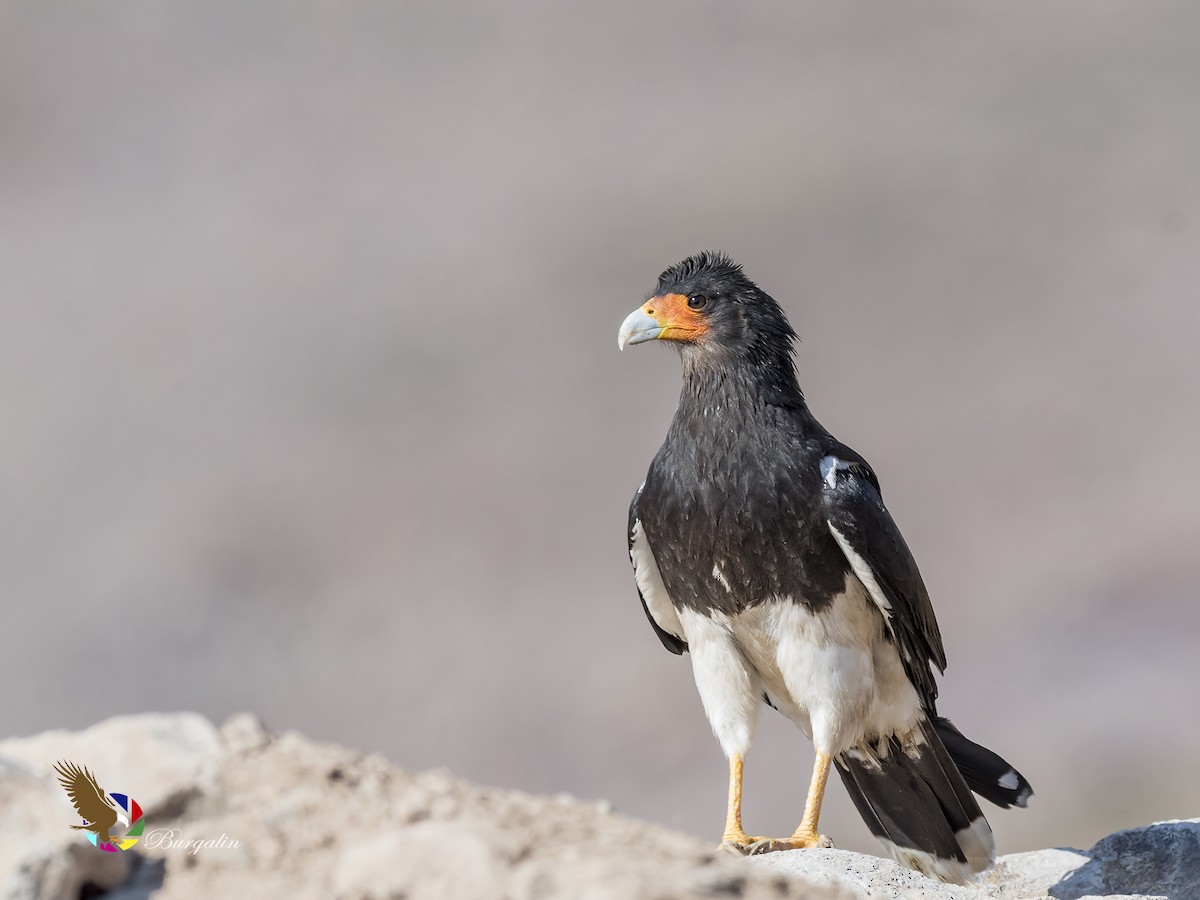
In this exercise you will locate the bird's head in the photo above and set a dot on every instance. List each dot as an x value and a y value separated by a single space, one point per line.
710 310
122 818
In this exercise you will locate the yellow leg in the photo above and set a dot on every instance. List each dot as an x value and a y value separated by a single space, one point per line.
733 810
737 841
806 835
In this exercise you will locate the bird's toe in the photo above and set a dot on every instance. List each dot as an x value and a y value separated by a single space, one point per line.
768 845
733 848
759 846
742 844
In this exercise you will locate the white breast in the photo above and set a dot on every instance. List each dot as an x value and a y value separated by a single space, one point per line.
835 673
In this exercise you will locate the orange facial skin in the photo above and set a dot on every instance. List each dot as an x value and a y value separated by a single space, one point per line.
678 320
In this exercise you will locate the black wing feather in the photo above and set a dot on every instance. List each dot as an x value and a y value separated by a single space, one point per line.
854 506
672 643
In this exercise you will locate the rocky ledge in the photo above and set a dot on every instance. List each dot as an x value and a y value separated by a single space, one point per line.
238 812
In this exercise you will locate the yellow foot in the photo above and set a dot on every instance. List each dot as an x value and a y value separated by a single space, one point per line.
743 845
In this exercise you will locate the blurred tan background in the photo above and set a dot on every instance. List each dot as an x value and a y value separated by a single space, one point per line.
312 403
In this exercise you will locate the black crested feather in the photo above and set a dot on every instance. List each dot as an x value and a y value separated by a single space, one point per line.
716 266
672 643
854 506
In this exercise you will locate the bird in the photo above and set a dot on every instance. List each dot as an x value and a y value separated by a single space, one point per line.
761 545
90 800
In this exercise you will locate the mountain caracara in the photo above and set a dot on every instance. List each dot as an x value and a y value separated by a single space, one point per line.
761 544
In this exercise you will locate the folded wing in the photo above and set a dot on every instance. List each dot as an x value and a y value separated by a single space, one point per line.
864 530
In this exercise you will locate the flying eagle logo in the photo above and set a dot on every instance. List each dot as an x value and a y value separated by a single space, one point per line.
101 812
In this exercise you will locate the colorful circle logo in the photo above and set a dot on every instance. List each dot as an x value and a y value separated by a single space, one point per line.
100 811
131 816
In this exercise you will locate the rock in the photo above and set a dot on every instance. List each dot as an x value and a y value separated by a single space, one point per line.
240 812
1032 874
1160 860
425 862
244 732
609 879
173 756
50 870
861 875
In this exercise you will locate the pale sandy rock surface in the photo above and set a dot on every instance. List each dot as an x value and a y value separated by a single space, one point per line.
318 821
295 819
1161 860
174 757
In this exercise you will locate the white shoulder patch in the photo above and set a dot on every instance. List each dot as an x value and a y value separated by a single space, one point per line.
650 583
830 466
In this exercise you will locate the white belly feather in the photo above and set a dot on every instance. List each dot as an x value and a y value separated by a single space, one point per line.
834 673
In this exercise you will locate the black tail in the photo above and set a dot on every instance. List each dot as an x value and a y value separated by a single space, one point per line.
987 774
916 803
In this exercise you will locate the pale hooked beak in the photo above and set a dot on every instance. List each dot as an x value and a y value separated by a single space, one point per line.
638 328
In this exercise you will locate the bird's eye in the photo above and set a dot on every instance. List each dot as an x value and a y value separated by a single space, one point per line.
697 301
